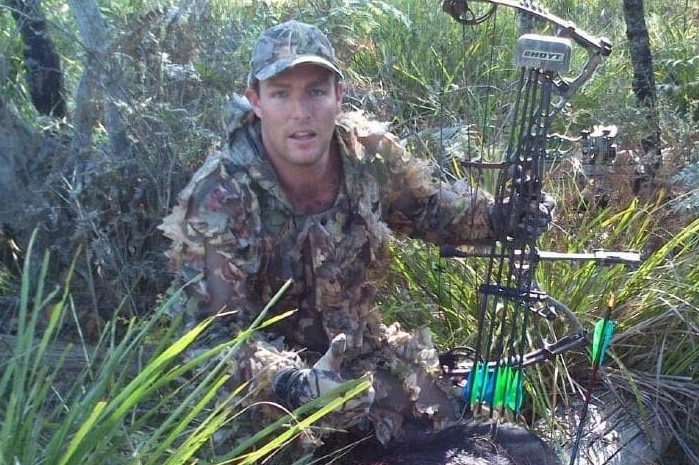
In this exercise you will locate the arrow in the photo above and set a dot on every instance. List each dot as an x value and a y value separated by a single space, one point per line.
498 388
601 340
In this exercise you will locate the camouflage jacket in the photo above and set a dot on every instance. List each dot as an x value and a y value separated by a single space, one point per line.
235 206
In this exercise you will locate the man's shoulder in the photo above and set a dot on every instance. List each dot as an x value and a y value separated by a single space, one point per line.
237 113
243 141
214 169
361 124
368 139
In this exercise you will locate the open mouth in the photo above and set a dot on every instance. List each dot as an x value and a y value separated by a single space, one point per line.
303 135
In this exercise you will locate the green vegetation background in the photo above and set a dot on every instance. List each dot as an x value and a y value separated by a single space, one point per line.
410 64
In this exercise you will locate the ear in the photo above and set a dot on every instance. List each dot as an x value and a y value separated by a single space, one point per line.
339 93
254 99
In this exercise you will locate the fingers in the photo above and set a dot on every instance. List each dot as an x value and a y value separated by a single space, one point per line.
297 387
319 382
332 359
522 219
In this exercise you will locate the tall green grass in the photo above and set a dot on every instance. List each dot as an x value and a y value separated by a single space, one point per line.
654 358
136 398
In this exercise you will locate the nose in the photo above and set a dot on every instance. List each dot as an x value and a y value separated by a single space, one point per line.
300 107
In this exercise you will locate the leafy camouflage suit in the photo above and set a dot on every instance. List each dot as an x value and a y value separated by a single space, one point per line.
235 206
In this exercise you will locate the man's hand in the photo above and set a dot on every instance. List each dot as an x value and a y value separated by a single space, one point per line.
520 219
297 387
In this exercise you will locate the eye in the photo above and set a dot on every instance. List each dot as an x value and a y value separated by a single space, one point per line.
318 92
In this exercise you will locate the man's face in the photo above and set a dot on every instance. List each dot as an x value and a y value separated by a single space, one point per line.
297 110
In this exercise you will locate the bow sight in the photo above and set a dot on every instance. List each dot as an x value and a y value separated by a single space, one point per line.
491 373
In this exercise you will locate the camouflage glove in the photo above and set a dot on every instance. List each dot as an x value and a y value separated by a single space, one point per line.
519 220
296 387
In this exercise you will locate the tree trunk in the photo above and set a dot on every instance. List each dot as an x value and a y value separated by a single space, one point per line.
44 74
21 150
643 85
100 72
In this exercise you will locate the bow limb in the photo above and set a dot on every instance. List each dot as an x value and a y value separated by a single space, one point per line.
461 11
597 48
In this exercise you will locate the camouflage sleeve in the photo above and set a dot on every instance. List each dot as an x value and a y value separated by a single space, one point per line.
415 202
213 230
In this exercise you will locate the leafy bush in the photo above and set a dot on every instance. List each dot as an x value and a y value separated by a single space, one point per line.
407 62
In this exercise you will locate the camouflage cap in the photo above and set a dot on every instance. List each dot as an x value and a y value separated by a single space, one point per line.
287 45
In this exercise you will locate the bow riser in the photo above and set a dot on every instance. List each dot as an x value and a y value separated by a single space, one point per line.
509 295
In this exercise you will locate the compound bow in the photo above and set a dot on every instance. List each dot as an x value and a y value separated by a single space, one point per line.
491 374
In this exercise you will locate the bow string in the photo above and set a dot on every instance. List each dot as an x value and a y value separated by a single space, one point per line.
491 374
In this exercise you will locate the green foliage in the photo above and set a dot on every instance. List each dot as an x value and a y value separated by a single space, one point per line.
128 400
682 85
53 413
676 61
688 176
655 309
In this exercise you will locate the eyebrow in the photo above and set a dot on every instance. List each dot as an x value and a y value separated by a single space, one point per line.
282 84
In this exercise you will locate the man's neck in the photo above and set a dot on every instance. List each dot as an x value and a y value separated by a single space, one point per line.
313 189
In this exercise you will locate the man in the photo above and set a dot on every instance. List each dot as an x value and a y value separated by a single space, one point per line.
306 192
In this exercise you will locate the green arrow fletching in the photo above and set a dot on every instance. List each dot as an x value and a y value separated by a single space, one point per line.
601 340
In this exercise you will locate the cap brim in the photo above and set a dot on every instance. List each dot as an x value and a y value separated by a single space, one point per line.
284 64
